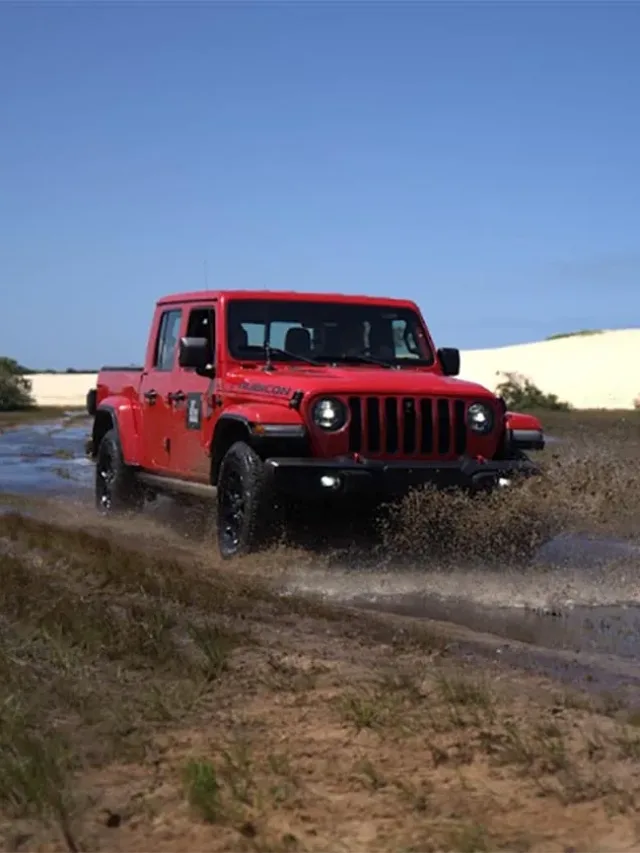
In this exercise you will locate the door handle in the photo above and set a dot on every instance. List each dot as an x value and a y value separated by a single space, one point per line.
176 397
151 395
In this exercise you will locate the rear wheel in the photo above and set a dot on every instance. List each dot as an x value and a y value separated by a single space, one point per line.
245 512
117 488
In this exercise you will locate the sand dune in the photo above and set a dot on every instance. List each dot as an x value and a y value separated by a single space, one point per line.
590 372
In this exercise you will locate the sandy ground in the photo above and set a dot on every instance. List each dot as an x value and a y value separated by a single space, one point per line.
590 372
151 700
154 698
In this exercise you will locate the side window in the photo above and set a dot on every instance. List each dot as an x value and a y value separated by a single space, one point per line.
404 340
201 324
167 342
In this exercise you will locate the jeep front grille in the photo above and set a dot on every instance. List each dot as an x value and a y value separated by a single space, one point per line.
408 426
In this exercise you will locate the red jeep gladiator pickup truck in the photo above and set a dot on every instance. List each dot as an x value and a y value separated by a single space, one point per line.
265 400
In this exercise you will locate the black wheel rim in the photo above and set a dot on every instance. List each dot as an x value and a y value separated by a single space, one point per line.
105 476
232 511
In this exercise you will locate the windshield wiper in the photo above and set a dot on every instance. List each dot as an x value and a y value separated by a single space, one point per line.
269 349
368 359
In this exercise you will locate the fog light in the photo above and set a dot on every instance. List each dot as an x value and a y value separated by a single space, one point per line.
328 481
503 481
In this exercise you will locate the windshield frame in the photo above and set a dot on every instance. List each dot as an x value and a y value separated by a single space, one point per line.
270 306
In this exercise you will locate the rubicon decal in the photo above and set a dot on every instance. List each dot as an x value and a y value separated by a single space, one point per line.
263 388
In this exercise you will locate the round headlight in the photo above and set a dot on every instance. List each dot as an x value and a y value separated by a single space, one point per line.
480 418
329 414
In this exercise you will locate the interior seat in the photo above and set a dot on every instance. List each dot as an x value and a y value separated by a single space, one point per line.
298 342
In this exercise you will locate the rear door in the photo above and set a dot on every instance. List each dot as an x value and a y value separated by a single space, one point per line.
156 385
193 410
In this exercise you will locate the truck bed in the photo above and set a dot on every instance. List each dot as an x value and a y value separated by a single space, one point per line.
118 381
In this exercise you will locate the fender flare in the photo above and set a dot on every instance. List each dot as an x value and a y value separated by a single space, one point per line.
243 422
520 420
524 431
263 413
117 413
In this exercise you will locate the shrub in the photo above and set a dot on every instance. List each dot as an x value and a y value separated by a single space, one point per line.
15 388
520 393
579 334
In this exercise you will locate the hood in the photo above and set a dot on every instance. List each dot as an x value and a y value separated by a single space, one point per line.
359 380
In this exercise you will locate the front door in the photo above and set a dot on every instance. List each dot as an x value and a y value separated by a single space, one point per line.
193 410
155 388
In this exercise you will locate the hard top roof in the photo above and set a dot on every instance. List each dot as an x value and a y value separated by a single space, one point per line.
295 295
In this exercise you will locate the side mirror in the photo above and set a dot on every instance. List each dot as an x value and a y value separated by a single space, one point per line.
449 359
196 353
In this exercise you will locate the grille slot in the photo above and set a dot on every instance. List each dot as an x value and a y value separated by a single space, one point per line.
373 424
459 427
424 426
355 425
391 423
444 427
408 425
426 437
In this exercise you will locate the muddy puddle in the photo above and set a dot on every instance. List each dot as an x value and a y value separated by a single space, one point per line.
581 605
579 598
46 459
579 594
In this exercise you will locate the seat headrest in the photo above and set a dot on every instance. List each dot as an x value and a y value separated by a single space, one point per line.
240 338
298 341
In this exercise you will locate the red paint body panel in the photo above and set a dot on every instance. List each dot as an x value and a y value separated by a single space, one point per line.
120 383
517 420
157 436
127 417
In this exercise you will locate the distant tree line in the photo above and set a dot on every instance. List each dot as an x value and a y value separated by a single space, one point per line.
30 372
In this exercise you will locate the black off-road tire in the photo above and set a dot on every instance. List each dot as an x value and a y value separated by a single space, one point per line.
117 489
245 511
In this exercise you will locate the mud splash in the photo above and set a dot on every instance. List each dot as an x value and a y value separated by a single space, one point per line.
518 565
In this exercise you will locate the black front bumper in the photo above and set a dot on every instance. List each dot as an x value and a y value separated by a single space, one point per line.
316 478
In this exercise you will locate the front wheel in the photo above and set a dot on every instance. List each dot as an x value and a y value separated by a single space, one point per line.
245 506
116 486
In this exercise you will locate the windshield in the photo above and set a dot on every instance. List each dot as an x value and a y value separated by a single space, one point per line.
326 333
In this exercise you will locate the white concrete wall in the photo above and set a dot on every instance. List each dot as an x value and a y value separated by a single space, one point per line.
590 372
64 389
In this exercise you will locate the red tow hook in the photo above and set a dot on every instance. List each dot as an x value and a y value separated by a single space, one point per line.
480 459
356 458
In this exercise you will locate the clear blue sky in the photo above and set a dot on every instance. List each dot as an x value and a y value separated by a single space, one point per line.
482 159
